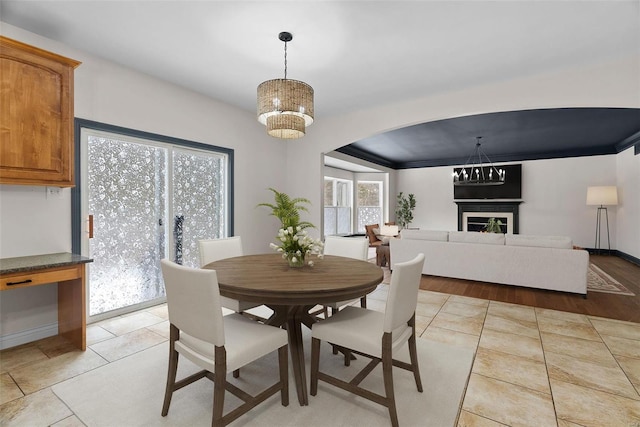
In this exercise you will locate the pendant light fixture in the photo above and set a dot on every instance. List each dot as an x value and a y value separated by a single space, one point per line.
285 106
475 173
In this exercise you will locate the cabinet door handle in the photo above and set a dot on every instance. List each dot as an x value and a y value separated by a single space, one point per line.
19 283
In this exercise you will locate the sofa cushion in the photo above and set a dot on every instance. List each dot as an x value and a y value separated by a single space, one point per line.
475 237
433 235
559 242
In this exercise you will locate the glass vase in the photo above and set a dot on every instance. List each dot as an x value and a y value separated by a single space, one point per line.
295 261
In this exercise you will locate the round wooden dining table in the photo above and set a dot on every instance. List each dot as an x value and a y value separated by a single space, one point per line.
291 292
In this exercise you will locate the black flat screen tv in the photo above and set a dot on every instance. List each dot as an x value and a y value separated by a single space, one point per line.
511 189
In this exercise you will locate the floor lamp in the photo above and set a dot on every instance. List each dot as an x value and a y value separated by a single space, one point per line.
602 196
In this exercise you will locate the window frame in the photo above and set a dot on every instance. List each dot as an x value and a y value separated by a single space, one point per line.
350 199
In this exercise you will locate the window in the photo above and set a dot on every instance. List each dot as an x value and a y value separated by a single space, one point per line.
369 203
151 197
337 206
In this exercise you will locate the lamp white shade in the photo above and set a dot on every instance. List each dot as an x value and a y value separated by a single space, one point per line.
602 195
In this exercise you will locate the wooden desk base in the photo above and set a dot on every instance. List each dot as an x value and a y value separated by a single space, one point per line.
72 317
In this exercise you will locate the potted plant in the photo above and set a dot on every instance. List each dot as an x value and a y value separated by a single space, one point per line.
293 241
404 209
493 226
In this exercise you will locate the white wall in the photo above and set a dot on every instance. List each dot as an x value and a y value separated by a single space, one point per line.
555 195
339 173
628 209
33 223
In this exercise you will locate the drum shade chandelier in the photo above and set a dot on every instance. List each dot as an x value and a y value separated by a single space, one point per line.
475 173
285 106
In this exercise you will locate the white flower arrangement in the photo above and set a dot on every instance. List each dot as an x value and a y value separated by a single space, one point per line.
296 244
293 241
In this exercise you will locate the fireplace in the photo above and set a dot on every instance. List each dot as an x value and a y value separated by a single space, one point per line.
477 221
473 216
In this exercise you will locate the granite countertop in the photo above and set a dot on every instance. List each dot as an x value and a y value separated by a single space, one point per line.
40 262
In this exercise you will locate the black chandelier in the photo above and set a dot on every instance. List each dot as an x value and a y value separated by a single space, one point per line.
475 173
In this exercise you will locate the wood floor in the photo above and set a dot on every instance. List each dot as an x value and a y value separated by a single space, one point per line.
601 304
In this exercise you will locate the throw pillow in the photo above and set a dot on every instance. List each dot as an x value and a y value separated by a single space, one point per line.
370 234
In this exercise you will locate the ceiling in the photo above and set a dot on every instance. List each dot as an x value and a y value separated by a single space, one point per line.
505 136
358 54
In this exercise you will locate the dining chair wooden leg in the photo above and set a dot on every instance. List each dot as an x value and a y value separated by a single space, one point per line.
363 302
413 354
315 365
219 386
283 362
174 334
387 372
347 357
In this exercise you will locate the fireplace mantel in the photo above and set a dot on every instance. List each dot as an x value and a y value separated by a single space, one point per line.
510 206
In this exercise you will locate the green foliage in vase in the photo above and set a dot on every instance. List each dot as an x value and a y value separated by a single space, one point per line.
493 226
294 243
288 209
404 209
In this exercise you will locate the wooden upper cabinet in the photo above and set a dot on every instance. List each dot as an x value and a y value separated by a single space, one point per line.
36 116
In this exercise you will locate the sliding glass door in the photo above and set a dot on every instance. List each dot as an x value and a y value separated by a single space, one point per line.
127 195
148 200
197 193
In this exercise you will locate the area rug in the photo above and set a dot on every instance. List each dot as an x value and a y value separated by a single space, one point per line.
599 281
129 392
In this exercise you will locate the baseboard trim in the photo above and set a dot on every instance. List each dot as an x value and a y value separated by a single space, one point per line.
23 337
628 257
615 252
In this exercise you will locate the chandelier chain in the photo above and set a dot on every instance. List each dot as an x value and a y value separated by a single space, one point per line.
285 60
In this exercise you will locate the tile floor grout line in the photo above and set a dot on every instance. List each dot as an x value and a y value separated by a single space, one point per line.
616 359
473 361
73 414
511 383
546 367
17 385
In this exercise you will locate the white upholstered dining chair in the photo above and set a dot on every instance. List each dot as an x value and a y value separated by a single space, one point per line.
217 344
349 247
375 335
216 249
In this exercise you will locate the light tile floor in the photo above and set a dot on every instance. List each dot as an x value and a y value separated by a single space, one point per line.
533 367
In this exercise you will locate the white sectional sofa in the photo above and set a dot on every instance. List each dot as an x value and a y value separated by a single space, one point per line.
543 262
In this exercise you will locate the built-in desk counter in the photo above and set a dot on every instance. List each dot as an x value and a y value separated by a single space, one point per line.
68 270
